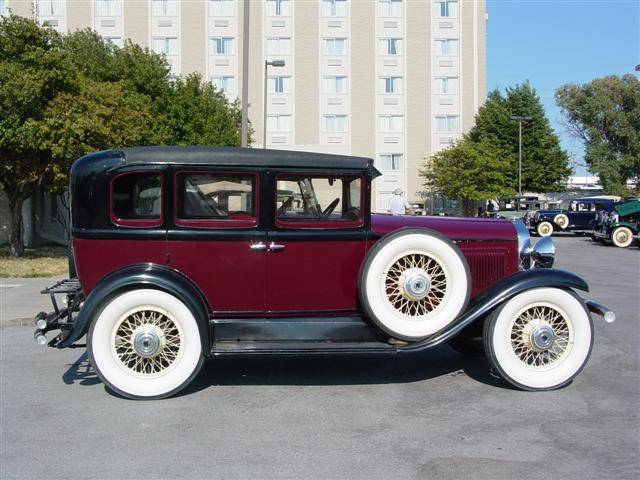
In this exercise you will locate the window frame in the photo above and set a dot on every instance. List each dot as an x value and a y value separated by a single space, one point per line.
137 222
211 223
308 224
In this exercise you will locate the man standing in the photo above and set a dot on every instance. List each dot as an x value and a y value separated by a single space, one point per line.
397 204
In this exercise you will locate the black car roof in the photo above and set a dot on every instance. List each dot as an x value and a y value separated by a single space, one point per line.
236 156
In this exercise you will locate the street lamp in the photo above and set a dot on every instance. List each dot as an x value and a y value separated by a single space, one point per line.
519 119
245 74
267 64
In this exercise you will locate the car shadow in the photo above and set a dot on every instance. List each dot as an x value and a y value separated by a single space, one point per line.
319 370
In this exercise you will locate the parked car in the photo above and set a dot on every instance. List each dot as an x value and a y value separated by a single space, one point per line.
517 207
184 253
579 217
619 226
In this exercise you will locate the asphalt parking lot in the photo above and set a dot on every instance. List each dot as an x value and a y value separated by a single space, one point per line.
435 414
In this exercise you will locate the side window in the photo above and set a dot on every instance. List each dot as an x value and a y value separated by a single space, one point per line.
216 199
136 199
583 207
309 201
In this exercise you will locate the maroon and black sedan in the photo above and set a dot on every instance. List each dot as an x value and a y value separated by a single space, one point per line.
184 253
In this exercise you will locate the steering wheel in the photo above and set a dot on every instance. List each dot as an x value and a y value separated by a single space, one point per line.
330 208
286 205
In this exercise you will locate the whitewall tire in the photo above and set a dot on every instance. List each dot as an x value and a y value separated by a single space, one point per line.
561 220
413 283
540 339
544 229
145 343
622 237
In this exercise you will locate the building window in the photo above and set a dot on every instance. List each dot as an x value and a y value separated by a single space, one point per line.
334 84
447 85
279 46
279 84
334 8
389 8
447 47
446 123
334 46
226 84
166 45
116 41
446 8
164 8
391 123
278 8
278 123
50 7
390 84
390 161
221 8
108 8
3 10
334 123
221 46
390 46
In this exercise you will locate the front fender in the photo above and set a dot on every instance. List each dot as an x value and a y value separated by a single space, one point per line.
141 276
497 294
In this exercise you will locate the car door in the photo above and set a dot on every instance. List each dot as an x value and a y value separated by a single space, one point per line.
583 216
217 238
317 243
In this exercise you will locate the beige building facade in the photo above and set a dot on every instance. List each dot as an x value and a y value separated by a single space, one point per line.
395 80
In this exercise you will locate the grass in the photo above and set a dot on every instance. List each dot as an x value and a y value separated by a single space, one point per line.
37 262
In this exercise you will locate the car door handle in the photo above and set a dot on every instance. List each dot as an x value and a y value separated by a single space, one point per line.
275 247
258 247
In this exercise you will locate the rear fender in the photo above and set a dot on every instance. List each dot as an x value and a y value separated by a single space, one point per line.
496 295
141 276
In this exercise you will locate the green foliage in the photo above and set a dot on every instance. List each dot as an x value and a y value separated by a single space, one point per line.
65 96
469 170
605 114
545 166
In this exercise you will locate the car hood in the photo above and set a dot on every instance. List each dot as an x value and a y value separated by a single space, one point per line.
453 227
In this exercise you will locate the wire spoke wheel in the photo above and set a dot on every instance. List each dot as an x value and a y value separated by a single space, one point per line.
540 336
415 284
147 342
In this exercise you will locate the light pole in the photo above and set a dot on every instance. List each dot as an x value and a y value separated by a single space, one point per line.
267 64
245 73
519 119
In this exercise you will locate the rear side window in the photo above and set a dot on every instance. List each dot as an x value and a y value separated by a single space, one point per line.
136 199
209 199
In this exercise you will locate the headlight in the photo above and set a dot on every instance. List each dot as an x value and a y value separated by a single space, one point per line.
524 244
536 216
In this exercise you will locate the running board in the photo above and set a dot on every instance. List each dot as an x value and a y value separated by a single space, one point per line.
295 348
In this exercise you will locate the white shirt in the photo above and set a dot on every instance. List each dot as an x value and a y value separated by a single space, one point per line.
398 205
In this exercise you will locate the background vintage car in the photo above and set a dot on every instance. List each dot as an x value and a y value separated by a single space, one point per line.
184 253
618 226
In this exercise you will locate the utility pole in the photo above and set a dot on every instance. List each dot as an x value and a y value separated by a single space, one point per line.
519 119
245 73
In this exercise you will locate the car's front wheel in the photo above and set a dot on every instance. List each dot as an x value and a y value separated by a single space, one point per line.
540 339
145 344
622 237
544 229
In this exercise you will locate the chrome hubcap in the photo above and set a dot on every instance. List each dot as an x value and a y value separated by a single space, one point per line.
146 344
415 284
542 337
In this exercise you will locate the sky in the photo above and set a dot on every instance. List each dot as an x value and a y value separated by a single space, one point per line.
554 42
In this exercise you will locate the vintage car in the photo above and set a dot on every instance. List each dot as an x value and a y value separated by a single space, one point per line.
579 217
184 253
619 226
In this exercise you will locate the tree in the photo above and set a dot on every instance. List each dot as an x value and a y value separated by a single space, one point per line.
469 170
33 70
545 166
605 114
65 96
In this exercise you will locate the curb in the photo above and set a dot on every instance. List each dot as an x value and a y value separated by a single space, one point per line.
17 322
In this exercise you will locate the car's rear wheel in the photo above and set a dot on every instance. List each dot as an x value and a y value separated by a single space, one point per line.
622 237
145 344
561 220
540 339
544 229
413 283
